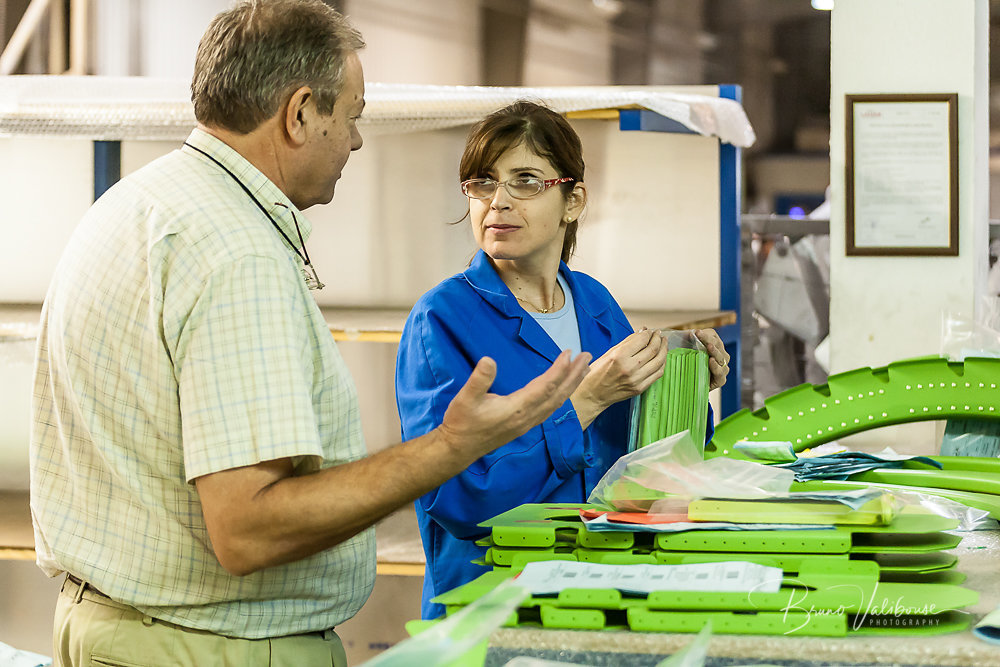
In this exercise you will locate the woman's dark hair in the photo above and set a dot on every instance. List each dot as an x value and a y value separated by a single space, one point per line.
543 131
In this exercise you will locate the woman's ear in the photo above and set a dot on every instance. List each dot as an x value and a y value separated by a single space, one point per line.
576 201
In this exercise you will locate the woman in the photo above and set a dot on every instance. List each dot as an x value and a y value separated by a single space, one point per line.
520 304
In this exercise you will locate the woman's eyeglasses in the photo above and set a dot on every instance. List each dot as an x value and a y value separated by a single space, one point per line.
520 187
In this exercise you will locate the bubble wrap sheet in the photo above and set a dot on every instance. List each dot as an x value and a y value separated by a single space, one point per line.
117 108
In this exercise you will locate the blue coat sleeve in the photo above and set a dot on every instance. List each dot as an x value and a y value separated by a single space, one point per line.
439 347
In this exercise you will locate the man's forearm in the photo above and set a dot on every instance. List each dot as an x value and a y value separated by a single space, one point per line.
291 517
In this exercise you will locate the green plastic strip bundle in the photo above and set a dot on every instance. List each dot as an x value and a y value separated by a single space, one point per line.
677 401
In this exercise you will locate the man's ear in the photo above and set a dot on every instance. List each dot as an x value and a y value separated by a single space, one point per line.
296 110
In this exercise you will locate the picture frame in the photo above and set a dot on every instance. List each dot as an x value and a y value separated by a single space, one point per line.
902 174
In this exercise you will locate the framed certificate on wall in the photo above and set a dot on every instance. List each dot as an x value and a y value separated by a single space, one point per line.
902 174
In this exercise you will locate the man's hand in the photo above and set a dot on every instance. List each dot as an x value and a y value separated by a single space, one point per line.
478 420
718 358
624 371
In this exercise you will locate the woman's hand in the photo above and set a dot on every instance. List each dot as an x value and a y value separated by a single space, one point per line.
718 358
624 371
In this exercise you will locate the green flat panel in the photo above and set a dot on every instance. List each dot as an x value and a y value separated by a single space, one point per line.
908 532
761 623
903 543
976 463
914 562
615 557
590 598
541 525
951 577
573 619
823 591
878 511
858 400
519 560
766 541
983 501
787 562
956 480
505 557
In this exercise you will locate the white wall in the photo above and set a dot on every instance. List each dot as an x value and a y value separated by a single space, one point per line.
888 308
567 44
418 42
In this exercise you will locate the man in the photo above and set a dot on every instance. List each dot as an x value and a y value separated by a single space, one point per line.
197 463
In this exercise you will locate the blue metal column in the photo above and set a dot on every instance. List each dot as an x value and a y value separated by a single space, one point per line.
107 165
730 204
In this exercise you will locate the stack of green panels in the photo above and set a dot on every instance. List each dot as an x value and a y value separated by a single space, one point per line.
899 577
677 401
829 599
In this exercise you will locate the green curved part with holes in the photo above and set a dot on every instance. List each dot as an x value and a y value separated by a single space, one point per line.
910 390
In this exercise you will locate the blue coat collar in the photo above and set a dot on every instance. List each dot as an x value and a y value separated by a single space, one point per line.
486 281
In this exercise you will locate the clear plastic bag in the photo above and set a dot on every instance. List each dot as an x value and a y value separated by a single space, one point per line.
457 636
673 471
961 337
965 336
969 518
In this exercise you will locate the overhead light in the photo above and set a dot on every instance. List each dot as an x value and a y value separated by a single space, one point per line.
610 8
822 5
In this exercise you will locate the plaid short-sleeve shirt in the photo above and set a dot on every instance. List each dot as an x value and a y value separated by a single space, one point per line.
178 338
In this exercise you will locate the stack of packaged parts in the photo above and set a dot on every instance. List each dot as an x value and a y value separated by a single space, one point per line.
678 400
835 580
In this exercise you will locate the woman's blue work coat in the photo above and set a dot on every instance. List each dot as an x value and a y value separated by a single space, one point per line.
464 318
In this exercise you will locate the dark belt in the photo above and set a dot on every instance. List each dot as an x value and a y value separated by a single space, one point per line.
84 586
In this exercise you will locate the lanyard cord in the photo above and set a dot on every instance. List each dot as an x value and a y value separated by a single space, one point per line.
304 255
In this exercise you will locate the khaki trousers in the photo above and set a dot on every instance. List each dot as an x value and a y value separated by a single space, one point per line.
92 629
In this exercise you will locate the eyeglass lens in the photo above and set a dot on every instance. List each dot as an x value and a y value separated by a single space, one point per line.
520 188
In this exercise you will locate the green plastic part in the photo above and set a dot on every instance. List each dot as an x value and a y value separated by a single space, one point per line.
973 463
505 557
955 480
542 525
573 619
908 532
918 566
878 511
824 589
832 624
539 528
677 400
915 563
982 501
904 391
952 577
806 542
761 541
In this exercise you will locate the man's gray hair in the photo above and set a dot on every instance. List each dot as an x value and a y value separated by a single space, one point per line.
253 56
